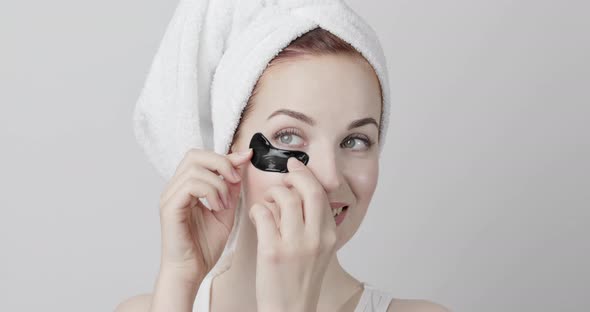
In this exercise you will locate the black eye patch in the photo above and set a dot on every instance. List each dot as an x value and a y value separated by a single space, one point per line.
269 158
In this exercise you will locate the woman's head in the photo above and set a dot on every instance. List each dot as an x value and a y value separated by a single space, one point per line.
321 96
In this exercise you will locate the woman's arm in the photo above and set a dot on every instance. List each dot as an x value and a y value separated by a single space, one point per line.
174 291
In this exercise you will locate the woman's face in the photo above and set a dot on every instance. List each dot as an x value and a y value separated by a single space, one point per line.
314 104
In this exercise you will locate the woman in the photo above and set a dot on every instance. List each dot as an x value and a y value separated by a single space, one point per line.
267 241
314 79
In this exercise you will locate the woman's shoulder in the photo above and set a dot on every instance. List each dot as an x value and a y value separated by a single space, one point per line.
415 305
138 303
141 303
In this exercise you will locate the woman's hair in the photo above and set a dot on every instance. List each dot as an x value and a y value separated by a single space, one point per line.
315 42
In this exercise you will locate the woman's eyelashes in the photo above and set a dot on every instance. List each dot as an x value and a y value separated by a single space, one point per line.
352 141
285 137
292 137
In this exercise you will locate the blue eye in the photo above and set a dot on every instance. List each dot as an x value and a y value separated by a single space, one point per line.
288 137
353 141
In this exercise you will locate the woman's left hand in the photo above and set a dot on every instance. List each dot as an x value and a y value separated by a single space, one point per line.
296 240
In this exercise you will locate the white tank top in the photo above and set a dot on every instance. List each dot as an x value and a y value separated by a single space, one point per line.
372 299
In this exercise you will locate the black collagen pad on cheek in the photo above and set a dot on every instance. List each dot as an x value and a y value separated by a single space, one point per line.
269 158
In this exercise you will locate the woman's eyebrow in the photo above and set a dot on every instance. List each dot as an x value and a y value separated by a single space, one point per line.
308 120
363 121
294 114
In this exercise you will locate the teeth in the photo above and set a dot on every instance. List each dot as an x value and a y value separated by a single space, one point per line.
337 211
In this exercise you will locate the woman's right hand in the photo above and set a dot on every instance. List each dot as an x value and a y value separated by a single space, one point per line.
193 235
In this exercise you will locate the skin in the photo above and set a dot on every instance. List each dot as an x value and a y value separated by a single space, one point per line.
344 167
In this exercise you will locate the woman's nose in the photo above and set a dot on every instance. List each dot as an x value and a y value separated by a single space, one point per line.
327 169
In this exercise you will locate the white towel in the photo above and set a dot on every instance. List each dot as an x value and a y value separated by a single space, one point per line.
210 58
211 55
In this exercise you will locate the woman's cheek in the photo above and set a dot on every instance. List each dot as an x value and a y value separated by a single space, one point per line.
365 181
257 182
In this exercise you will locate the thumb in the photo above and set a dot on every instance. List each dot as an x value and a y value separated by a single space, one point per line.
239 158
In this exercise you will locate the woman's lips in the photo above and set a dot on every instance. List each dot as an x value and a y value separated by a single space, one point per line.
340 217
339 206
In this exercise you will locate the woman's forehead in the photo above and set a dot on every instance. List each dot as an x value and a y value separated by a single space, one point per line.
320 85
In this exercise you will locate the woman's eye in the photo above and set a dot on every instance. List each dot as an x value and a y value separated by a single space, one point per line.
356 143
288 138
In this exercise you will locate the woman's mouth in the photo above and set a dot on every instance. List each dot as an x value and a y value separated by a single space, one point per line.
339 214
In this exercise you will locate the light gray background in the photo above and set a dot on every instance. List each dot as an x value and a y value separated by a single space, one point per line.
482 204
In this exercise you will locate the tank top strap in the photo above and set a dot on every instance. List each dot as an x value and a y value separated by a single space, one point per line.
373 299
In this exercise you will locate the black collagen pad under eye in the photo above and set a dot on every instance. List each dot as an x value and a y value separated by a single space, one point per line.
269 158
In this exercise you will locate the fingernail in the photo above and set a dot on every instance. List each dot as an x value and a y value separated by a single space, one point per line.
296 163
235 173
225 200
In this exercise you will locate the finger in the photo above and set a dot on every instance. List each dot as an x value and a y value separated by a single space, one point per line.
208 159
191 188
275 210
316 208
291 211
208 176
174 184
266 228
239 158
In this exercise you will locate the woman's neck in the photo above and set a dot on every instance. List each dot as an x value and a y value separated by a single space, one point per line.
235 288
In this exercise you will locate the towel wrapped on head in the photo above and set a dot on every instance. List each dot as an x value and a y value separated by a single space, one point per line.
210 58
